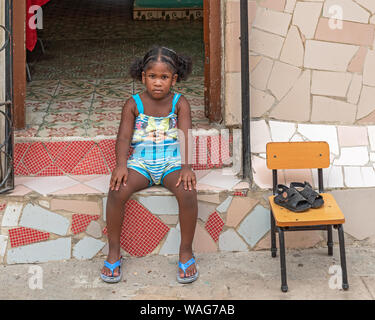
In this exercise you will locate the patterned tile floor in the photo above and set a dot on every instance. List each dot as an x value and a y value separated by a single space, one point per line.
90 107
80 84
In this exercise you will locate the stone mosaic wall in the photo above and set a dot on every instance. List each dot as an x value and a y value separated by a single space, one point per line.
312 78
39 224
39 228
352 153
306 64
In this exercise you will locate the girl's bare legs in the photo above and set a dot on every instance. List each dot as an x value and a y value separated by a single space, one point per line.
188 213
115 214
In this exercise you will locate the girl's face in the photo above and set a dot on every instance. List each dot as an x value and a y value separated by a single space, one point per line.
158 80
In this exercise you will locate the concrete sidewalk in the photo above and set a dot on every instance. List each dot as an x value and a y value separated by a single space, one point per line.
250 275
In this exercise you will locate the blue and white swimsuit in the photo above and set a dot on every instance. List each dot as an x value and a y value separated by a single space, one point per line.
156 145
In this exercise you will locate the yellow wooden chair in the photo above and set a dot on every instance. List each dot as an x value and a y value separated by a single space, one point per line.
303 155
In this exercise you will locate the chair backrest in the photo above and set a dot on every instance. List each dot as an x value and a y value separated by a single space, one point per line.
297 155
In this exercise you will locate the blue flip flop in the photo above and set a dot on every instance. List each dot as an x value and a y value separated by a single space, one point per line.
112 267
183 267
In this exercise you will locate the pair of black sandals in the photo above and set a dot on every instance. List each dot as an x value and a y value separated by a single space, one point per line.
298 200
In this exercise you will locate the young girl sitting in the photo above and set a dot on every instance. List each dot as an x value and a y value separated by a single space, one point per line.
151 122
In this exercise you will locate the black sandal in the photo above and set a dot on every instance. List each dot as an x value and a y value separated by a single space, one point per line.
314 198
291 199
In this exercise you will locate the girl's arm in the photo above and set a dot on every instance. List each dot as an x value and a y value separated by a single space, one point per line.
123 141
125 133
185 125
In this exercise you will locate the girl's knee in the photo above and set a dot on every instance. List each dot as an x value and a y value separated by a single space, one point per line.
187 196
120 195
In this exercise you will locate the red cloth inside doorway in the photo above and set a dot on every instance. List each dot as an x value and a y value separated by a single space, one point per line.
31 34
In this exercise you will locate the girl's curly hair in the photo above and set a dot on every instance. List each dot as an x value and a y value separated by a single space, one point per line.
179 64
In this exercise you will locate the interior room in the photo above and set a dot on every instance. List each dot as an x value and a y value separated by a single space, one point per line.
78 72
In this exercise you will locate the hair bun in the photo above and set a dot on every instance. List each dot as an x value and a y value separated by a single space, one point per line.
136 69
185 67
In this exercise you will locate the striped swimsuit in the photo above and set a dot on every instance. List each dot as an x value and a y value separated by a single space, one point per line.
156 145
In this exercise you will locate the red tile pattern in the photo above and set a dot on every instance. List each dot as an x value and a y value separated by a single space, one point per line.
73 154
55 148
51 170
21 170
141 230
36 158
19 151
201 157
240 193
22 236
108 149
219 150
211 152
2 206
195 152
225 147
214 151
81 221
92 163
89 157
214 225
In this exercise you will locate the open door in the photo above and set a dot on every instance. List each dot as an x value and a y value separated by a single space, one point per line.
19 62
212 64
6 126
213 61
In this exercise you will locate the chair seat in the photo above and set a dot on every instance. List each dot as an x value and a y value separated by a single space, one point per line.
328 214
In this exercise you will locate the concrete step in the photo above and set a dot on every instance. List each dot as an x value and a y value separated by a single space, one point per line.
56 156
59 218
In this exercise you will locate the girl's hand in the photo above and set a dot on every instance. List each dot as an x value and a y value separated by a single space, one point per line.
119 174
188 177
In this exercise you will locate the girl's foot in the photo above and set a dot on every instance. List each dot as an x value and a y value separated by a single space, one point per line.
112 258
184 257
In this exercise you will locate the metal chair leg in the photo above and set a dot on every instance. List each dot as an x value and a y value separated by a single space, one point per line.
42 45
329 240
284 286
345 284
273 236
28 74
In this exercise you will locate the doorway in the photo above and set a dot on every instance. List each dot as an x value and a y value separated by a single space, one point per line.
79 84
